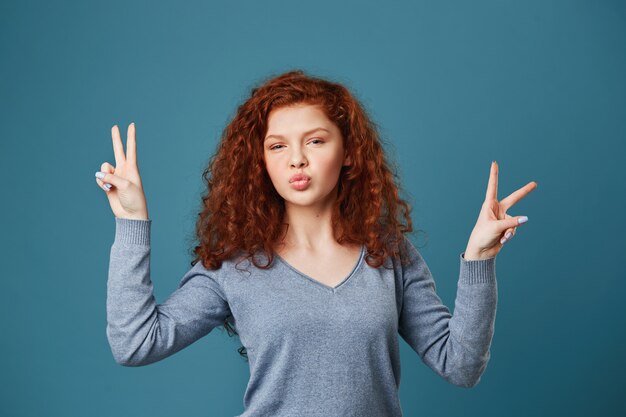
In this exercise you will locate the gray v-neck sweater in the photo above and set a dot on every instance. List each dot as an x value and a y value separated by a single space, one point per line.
313 350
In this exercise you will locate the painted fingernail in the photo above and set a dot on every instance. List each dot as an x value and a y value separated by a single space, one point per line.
508 235
523 219
99 175
503 241
108 186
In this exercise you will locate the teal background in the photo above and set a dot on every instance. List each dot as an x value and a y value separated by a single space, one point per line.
539 86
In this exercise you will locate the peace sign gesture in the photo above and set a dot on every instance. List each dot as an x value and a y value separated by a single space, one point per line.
494 226
122 183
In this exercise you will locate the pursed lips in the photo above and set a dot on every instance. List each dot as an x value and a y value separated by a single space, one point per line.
299 177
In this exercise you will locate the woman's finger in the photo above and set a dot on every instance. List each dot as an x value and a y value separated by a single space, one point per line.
517 195
510 222
107 177
106 167
492 186
118 147
507 232
105 187
507 236
131 144
510 232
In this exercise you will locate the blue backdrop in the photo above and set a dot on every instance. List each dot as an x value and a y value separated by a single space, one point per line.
537 85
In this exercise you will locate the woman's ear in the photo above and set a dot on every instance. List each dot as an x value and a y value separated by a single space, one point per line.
347 161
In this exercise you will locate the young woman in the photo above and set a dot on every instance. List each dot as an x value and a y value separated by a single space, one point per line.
300 192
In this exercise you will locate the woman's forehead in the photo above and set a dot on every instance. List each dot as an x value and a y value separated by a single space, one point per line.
295 120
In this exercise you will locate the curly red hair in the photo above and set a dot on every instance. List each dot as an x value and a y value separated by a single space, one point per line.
242 213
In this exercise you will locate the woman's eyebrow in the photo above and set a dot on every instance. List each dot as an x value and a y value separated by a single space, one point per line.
304 134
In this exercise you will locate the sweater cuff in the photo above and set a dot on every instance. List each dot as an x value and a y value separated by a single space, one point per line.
477 271
133 231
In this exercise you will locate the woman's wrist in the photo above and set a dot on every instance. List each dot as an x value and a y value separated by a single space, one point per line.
474 256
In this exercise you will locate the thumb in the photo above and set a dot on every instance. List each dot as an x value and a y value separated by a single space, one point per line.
107 177
510 222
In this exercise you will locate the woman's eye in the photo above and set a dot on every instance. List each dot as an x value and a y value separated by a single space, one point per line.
314 140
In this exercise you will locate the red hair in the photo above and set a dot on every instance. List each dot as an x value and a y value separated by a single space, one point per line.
242 213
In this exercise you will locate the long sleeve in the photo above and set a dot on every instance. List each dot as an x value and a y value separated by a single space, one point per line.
455 346
139 331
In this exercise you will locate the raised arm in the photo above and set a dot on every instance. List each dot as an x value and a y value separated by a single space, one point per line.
139 331
455 346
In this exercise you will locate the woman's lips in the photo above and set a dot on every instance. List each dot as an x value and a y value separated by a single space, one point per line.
299 177
300 185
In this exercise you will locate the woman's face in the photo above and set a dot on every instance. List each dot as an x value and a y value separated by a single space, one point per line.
300 139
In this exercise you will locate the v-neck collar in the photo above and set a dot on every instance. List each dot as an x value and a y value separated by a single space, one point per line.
327 287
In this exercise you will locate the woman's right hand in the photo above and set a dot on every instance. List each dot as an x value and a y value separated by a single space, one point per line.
125 192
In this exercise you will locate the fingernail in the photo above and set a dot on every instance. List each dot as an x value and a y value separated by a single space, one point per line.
523 219
99 175
108 186
508 235
503 241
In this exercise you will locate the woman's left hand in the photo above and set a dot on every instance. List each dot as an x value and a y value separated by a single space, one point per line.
494 226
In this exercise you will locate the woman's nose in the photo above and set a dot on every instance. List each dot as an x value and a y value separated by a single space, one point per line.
298 159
